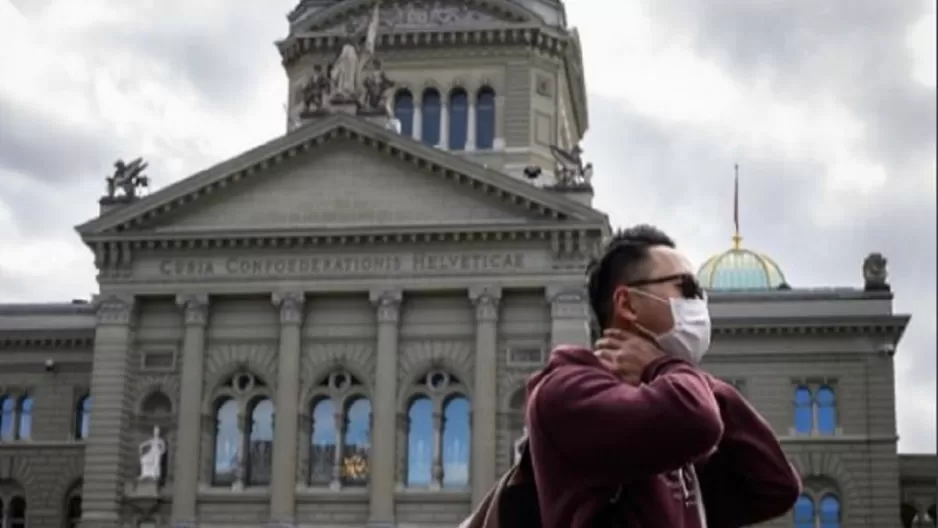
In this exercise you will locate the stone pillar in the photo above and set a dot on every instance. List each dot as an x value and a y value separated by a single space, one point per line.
418 121
444 125
189 412
286 415
471 126
105 446
484 395
569 316
384 418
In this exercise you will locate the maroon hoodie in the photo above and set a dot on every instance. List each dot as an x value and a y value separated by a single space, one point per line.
679 432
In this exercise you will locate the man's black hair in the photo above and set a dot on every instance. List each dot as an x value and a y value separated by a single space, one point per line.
622 261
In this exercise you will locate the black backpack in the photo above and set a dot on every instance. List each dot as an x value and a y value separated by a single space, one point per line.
512 503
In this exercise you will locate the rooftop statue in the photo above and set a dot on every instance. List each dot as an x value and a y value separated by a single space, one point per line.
569 168
127 178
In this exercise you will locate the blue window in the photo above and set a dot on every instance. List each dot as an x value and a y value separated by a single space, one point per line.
456 443
227 442
430 117
804 412
830 512
485 119
261 443
7 418
803 512
25 430
357 444
458 119
404 111
83 418
420 448
826 411
322 443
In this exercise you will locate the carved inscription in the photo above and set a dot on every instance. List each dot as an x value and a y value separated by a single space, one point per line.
288 266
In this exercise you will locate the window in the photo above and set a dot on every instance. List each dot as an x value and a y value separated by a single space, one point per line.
815 410
16 417
438 450
812 513
12 505
340 442
83 417
243 456
73 508
458 119
404 111
485 119
430 117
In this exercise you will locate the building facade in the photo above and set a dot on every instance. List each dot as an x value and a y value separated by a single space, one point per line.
333 329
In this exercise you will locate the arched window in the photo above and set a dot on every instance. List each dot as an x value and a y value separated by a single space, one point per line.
829 512
439 438
458 119
340 439
404 111
826 411
261 442
804 413
804 512
243 455
907 514
430 114
13 512
25 411
83 417
7 418
485 118
73 507
322 443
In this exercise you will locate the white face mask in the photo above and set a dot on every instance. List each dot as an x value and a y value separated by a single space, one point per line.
689 339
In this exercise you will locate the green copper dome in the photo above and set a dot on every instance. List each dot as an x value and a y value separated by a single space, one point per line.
741 269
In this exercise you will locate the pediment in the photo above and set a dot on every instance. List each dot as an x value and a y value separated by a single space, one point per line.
402 15
342 172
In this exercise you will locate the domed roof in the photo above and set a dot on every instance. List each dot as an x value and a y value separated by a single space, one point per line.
741 269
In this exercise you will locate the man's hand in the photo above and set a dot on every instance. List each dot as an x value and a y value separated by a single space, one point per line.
625 355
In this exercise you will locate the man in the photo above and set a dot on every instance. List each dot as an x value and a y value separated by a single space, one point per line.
632 432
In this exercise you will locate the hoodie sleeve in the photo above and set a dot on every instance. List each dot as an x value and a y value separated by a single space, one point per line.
748 480
612 429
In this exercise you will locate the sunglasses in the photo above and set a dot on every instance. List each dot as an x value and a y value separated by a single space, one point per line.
690 288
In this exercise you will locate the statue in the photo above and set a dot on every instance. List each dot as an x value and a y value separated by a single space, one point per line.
874 273
569 168
375 95
151 454
313 92
346 72
128 177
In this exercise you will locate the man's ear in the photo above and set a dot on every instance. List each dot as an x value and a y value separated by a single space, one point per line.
622 308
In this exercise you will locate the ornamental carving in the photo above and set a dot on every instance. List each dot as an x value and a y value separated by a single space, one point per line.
387 304
875 274
114 309
420 15
127 180
291 306
195 308
486 301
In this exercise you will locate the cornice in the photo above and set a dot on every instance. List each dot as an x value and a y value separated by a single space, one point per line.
530 36
892 325
47 339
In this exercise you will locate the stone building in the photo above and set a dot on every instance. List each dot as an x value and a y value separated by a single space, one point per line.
333 329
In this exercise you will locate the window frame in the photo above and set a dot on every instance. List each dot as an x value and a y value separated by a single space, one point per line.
246 400
814 386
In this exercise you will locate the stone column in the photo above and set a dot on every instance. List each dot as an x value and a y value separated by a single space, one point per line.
471 126
569 316
384 408
484 395
444 125
103 478
286 416
418 121
189 412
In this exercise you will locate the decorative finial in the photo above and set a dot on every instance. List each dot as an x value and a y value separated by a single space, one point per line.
737 239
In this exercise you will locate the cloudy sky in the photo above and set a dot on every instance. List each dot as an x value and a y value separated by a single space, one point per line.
828 107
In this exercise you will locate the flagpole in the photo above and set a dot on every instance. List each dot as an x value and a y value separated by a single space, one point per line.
737 239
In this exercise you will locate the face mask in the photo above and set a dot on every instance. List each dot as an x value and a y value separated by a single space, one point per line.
689 339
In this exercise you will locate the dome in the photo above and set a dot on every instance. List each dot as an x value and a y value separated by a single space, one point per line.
741 269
